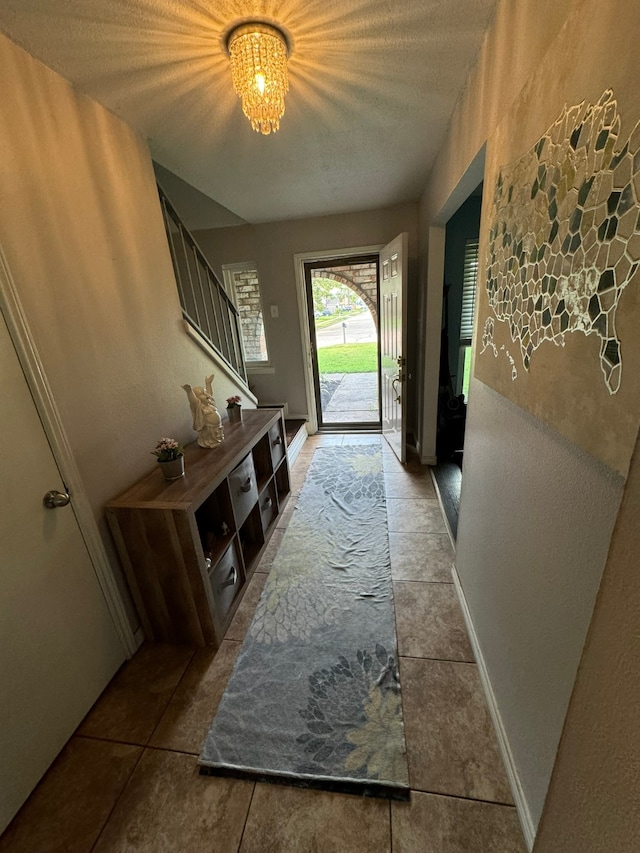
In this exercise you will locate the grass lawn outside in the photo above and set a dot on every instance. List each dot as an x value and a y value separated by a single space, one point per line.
348 358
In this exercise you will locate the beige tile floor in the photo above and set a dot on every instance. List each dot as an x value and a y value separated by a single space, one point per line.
128 781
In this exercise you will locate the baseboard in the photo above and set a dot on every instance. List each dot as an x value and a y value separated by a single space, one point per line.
436 488
428 460
528 829
296 445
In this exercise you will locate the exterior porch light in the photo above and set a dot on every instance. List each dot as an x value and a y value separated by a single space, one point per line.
258 54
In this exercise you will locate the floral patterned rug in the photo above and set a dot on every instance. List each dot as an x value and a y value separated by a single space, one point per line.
314 697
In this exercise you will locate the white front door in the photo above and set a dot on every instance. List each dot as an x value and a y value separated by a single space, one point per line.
58 643
393 326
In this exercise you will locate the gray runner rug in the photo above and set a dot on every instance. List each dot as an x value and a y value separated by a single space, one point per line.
314 697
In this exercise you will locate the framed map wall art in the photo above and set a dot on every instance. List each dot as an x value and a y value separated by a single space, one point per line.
559 289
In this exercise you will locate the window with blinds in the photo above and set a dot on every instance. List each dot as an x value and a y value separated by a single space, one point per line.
469 282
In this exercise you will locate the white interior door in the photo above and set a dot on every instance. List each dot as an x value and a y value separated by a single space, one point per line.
58 643
393 334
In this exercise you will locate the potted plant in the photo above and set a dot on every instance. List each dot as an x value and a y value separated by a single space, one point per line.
234 408
170 455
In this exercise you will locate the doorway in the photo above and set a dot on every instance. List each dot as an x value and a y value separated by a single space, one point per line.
342 304
458 314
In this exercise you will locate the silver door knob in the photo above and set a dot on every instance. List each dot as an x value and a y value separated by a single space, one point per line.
232 579
54 499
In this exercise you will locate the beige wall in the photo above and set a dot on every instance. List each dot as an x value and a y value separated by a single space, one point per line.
512 50
537 512
272 246
81 229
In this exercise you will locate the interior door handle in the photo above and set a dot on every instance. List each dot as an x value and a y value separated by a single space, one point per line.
393 385
232 579
55 499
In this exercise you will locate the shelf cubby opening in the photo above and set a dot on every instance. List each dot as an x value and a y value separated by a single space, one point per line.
215 523
251 538
282 481
262 462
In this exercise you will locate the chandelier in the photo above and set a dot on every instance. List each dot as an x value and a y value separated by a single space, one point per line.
258 54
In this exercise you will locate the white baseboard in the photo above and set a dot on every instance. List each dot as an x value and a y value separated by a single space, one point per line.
436 487
528 829
296 446
428 460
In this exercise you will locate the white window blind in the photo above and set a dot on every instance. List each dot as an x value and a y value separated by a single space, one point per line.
469 282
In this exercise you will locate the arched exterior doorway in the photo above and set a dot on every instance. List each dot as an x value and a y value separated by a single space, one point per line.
362 278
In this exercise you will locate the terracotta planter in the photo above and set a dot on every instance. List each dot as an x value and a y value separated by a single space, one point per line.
235 414
173 469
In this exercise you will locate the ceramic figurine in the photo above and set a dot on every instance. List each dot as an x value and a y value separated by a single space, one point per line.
206 418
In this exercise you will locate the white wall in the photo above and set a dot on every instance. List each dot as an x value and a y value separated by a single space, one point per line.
536 516
272 246
593 799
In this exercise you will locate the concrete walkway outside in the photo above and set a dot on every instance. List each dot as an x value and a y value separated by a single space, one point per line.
349 398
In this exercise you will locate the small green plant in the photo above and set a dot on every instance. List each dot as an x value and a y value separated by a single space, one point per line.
168 449
232 402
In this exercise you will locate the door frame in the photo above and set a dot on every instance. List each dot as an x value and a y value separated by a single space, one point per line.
430 309
299 261
36 378
308 267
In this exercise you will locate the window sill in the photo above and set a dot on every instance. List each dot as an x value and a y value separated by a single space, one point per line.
259 368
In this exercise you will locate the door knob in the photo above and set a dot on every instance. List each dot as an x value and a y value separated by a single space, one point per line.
232 579
393 385
55 499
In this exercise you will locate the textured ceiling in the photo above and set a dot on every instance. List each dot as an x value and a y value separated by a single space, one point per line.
372 87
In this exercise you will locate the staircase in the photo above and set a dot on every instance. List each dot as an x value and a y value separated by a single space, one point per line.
206 306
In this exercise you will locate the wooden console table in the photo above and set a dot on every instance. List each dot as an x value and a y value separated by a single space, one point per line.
189 547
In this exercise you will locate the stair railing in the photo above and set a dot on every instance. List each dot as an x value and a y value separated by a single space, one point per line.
206 306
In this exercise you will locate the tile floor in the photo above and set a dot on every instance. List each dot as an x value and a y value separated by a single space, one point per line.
127 781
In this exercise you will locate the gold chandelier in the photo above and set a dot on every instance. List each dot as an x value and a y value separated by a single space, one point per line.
258 54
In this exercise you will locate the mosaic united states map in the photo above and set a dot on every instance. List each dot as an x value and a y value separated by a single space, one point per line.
564 240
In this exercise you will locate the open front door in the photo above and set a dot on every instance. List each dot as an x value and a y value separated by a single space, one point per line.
393 327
